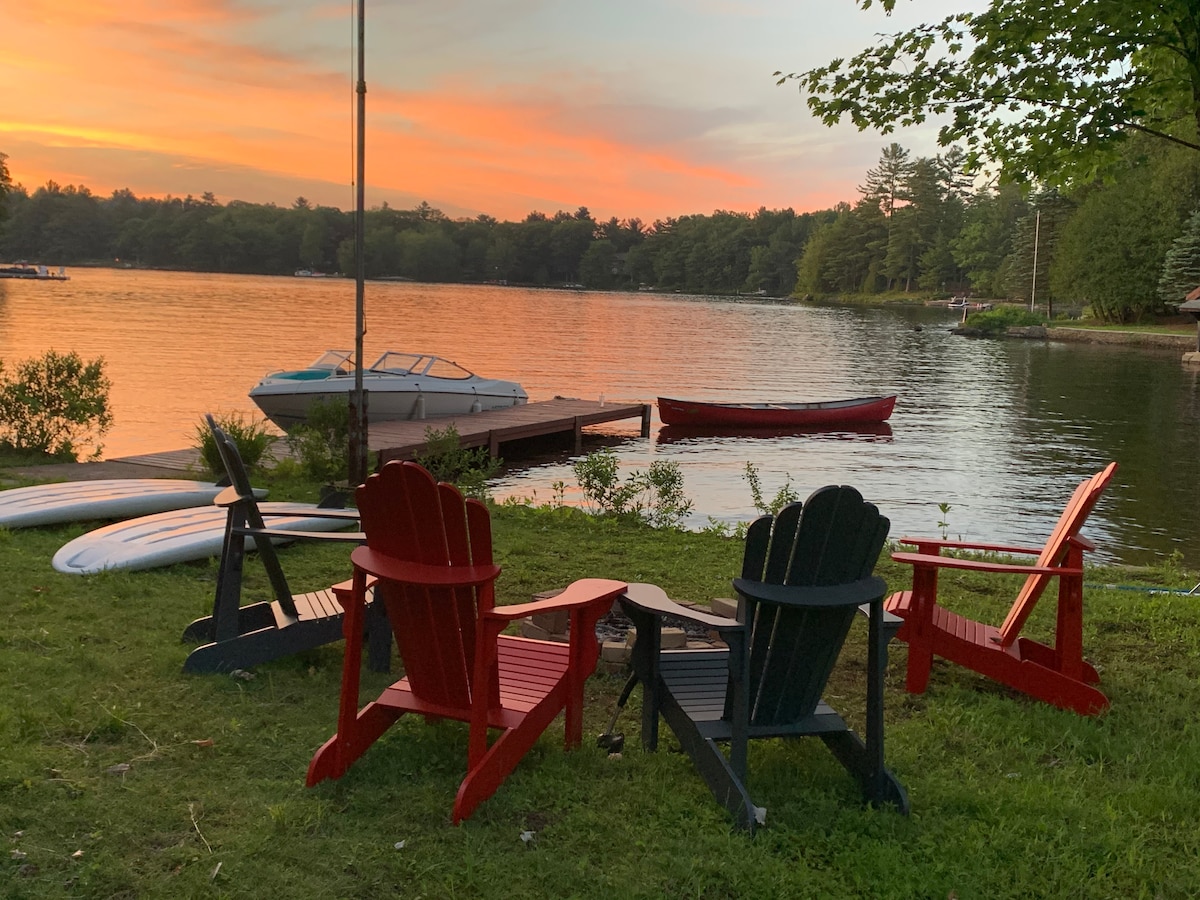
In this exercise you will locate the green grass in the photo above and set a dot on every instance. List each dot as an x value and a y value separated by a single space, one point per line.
122 777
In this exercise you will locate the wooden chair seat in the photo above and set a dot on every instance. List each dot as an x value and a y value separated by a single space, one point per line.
699 682
528 671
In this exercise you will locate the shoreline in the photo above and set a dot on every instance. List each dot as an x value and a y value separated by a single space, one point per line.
1183 342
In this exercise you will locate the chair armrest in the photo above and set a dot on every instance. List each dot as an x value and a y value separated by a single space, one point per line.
356 537
935 543
579 593
855 593
653 599
231 495
976 565
391 569
350 515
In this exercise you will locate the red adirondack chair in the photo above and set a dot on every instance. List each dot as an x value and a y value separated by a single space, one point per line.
431 553
1058 675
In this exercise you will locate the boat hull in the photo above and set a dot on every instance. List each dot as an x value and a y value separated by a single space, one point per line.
695 413
288 405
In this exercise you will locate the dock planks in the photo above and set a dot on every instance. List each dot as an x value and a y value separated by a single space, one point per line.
491 429
495 427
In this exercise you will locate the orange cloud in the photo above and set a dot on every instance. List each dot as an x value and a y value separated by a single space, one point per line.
189 97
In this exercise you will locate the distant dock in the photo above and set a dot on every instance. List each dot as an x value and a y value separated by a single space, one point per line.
492 429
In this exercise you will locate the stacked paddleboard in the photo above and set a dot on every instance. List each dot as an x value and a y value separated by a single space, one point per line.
182 535
116 498
166 520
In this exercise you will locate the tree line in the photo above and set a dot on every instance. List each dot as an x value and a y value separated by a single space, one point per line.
725 252
1121 245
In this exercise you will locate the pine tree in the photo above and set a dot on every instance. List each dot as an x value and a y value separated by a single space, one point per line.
1181 268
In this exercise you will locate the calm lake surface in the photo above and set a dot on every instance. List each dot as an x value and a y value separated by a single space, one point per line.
1001 431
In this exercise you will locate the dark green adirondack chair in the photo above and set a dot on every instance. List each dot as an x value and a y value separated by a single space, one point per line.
805 575
237 636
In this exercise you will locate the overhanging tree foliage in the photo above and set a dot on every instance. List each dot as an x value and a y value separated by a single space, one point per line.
1048 89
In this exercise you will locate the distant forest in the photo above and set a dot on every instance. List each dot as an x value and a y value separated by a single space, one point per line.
920 226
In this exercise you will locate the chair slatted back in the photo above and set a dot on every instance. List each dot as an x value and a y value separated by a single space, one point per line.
835 537
231 458
405 514
246 513
1069 524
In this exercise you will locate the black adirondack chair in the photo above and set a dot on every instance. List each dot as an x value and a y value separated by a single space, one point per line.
236 636
805 574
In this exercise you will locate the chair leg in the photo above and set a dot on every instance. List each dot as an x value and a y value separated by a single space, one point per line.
498 762
645 659
714 767
338 753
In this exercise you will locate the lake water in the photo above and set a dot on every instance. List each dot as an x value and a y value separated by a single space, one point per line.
1001 431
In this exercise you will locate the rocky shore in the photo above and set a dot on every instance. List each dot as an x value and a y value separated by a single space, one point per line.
1182 342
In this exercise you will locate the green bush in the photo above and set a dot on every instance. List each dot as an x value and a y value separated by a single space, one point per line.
785 495
446 460
1001 318
250 436
655 495
322 443
54 404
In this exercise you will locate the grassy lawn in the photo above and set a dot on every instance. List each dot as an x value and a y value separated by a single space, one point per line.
122 777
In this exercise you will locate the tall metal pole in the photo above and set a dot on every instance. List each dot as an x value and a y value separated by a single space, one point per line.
1037 228
358 411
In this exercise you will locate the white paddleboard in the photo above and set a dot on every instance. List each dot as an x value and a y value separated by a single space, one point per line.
116 498
181 535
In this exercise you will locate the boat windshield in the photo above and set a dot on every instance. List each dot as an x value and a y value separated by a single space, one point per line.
340 362
419 364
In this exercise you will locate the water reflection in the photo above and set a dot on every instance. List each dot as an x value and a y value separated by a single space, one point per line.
874 431
1000 431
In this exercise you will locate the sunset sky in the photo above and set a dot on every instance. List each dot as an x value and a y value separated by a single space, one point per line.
651 109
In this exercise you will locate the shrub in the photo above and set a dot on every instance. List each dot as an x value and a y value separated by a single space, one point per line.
785 495
446 460
655 495
322 443
1001 318
250 436
54 405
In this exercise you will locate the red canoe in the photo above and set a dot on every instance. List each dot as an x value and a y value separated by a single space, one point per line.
770 415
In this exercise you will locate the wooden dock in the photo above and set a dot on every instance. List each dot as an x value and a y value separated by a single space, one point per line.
492 429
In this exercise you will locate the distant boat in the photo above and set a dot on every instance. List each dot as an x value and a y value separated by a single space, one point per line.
775 415
399 386
33 273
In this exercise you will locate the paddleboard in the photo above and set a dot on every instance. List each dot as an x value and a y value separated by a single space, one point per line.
180 535
116 498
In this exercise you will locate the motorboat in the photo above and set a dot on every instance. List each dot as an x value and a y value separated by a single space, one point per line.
399 386
775 415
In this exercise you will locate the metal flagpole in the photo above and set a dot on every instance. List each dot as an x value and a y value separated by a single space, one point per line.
358 407
1037 228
